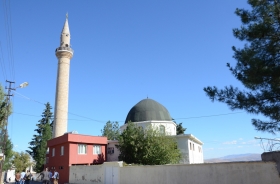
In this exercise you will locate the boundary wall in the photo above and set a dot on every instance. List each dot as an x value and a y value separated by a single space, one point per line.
257 172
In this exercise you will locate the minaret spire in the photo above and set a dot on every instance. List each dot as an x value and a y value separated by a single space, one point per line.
65 34
64 53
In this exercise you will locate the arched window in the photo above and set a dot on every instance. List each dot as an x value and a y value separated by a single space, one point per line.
162 129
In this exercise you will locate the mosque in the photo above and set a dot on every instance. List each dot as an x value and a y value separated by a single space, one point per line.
70 148
148 113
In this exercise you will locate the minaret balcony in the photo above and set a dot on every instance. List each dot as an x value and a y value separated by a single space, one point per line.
64 49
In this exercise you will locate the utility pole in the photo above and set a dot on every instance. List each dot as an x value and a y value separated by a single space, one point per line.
4 125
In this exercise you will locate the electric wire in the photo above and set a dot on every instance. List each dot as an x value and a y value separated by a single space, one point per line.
7 33
11 40
210 115
8 29
102 121
2 63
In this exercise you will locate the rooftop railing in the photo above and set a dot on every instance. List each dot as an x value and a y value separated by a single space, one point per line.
59 49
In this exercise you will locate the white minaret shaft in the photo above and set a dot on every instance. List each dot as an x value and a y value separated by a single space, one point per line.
63 53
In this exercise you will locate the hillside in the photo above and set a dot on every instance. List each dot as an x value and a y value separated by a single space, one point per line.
235 158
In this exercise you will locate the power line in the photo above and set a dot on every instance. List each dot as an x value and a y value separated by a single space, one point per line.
2 63
11 40
210 115
8 28
51 118
100 121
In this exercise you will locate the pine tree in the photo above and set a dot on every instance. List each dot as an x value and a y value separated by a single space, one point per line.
257 67
38 145
180 129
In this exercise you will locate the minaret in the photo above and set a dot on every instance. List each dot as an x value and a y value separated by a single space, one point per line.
63 53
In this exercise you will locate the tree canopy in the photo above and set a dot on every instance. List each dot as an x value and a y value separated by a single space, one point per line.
147 146
5 111
180 129
111 130
8 155
257 67
21 161
38 145
5 143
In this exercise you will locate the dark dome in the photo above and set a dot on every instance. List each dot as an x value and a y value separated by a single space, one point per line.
147 110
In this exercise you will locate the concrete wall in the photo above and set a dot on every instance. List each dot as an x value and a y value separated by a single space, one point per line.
86 174
218 173
91 174
213 173
272 156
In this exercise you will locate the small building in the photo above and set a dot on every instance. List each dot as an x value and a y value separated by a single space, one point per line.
150 113
74 149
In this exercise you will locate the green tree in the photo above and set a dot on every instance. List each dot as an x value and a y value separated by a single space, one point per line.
8 155
21 161
38 145
111 130
147 146
257 67
5 143
180 129
5 112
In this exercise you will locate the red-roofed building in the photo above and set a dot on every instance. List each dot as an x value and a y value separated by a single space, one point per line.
74 149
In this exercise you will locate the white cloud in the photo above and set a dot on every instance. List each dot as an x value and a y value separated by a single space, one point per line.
230 142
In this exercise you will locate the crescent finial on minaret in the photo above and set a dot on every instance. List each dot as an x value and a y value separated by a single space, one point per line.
67 15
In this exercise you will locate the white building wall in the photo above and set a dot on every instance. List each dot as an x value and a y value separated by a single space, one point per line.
195 152
191 149
170 126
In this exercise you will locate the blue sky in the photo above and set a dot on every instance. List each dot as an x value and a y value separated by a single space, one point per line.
125 51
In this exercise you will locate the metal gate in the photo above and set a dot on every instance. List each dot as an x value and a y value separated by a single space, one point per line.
112 175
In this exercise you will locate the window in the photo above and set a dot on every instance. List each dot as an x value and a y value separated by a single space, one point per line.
62 150
53 152
193 147
82 148
110 150
162 129
47 160
190 146
96 149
